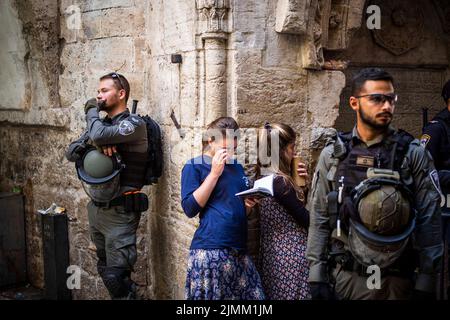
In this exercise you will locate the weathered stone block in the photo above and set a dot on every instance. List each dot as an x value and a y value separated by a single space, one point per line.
292 16
15 93
105 4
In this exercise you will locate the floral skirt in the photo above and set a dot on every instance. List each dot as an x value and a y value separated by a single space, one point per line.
222 274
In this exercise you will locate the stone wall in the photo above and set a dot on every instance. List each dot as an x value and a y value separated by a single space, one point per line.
245 59
33 124
61 66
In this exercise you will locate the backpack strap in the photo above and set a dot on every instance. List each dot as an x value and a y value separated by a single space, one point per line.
346 138
403 139
341 148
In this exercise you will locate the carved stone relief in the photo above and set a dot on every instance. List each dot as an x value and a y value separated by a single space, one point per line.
402 24
323 24
213 14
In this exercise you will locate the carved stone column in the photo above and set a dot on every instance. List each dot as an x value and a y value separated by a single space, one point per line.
212 18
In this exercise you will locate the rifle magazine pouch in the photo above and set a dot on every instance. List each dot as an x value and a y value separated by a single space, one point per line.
129 202
141 202
136 202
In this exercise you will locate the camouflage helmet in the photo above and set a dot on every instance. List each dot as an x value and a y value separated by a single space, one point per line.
384 211
385 220
99 174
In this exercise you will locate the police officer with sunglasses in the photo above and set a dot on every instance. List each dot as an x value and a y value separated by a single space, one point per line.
116 201
375 216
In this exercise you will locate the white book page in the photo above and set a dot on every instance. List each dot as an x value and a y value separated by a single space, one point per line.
266 183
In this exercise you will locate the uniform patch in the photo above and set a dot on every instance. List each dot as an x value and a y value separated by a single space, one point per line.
126 128
424 140
365 161
134 119
435 179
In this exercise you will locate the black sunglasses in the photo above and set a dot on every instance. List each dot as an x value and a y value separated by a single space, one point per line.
117 76
380 98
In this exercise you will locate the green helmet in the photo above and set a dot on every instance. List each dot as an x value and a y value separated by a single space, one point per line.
385 219
97 165
99 174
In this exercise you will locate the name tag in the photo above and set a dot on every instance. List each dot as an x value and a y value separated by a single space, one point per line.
365 161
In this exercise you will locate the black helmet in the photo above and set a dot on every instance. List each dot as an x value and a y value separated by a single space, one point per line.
100 174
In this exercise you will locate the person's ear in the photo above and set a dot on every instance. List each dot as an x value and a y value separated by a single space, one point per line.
210 142
354 103
122 94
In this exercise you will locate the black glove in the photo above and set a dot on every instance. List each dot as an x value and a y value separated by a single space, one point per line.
321 291
423 295
91 103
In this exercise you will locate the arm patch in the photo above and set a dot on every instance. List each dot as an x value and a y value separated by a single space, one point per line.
126 128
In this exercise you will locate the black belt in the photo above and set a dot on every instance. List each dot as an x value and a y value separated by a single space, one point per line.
361 270
348 263
119 201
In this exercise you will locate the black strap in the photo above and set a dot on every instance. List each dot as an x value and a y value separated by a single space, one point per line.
346 138
403 140
133 201
119 201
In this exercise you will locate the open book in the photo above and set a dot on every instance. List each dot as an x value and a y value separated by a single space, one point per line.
263 188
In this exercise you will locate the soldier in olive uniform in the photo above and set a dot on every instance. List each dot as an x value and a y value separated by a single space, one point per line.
375 219
114 210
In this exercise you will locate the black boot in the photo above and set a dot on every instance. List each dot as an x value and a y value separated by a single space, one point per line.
118 283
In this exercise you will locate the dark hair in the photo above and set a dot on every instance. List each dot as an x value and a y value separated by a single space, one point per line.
374 74
120 82
286 136
222 124
446 91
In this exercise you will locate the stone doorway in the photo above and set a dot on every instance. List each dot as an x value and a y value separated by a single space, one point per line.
413 45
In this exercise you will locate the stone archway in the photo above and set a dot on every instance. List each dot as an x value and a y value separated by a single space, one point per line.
413 45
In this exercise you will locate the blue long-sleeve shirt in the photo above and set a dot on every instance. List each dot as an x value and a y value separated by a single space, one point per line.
223 222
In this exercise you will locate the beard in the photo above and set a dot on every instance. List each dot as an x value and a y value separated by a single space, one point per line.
372 121
104 105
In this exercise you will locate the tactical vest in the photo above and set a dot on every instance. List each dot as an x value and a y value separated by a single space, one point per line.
351 169
133 175
353 164
135 168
